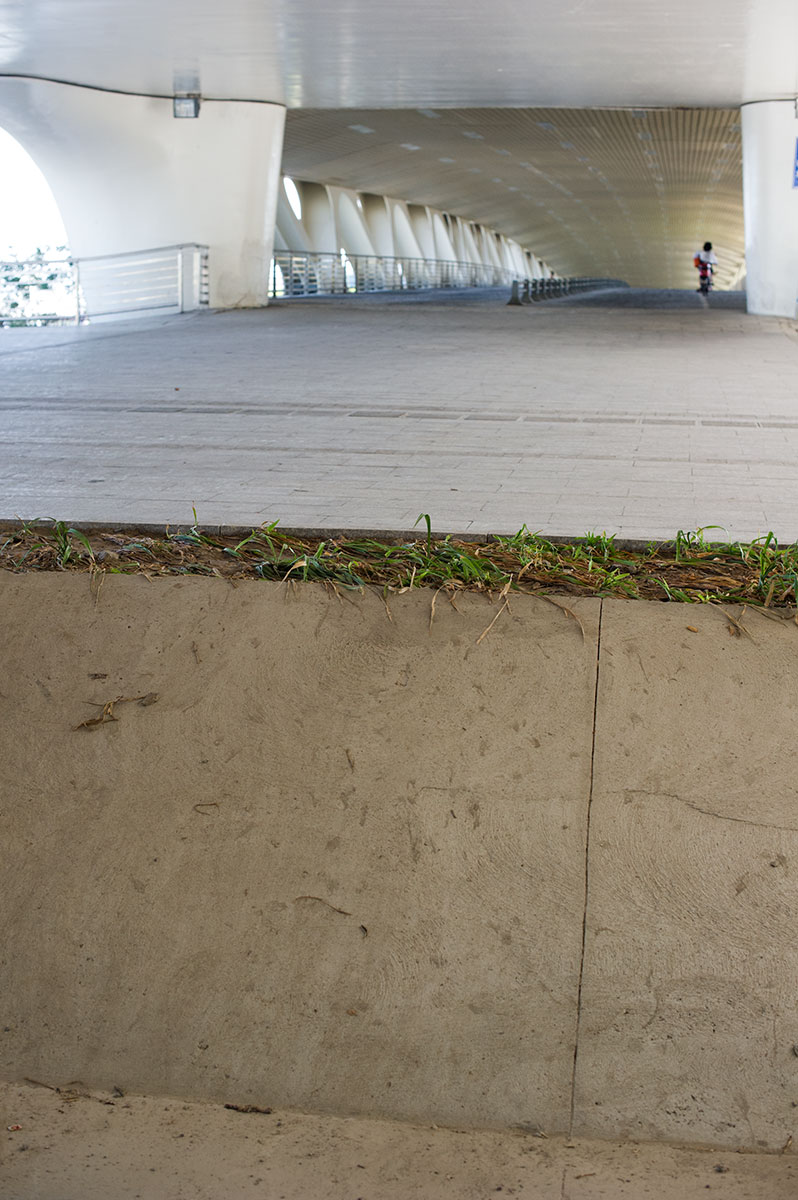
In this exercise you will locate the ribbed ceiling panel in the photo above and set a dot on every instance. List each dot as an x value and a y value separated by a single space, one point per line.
626 192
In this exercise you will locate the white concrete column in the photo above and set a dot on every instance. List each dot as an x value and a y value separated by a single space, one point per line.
770 201
127 175
377 214
353 233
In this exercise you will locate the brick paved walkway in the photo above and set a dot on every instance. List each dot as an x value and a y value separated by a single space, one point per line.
638 414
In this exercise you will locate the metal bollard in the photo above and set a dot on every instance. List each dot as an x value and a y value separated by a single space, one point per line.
514 298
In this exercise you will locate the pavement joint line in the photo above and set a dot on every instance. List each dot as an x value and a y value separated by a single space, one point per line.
587 870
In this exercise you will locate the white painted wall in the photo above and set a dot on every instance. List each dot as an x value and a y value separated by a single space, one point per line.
127 176
770 202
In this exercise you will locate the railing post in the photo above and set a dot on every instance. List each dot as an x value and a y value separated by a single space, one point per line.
181 299
189 277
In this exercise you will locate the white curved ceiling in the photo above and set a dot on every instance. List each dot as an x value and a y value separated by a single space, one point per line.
418 53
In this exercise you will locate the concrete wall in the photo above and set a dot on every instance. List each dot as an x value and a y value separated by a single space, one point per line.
127 176
770 201
341 864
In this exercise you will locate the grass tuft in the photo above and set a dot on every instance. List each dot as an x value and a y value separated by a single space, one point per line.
691 569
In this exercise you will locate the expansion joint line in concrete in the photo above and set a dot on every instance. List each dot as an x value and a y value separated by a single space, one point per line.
587 871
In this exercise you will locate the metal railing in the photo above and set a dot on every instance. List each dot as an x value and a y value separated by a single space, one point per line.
524 291
167 279
39 290
299 274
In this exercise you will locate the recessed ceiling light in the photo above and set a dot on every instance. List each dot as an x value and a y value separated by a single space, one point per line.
360 129
409 146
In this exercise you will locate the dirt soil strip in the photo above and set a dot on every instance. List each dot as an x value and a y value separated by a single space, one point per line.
691 568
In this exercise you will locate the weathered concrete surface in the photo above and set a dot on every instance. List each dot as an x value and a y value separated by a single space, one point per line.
689 1010
100 1146
338 865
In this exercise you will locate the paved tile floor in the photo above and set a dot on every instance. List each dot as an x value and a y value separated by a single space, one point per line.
637 413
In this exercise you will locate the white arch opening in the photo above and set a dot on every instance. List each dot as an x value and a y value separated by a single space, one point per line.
292 196
36 278
29 216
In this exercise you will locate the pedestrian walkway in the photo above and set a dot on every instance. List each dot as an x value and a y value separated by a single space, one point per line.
636 413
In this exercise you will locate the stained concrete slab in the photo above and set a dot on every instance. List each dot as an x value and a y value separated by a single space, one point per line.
689 1018
92 1146
338 864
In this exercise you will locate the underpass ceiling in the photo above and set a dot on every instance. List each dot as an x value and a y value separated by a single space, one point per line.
621 193
603 191
417 53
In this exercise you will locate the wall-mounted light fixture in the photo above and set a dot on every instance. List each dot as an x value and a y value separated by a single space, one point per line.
187 105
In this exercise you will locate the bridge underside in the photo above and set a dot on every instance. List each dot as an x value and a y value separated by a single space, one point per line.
626 193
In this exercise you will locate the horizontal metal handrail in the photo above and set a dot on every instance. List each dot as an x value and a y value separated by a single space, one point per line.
141 253
161 279
300 273
524 291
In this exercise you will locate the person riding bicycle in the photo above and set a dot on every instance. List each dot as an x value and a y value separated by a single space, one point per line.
706 262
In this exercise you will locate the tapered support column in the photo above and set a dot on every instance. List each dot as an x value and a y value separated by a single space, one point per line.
127 175
770 198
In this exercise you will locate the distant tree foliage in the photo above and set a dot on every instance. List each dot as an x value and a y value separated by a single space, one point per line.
38 289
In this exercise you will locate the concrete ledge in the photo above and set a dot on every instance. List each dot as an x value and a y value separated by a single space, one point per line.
97 1145
414 864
